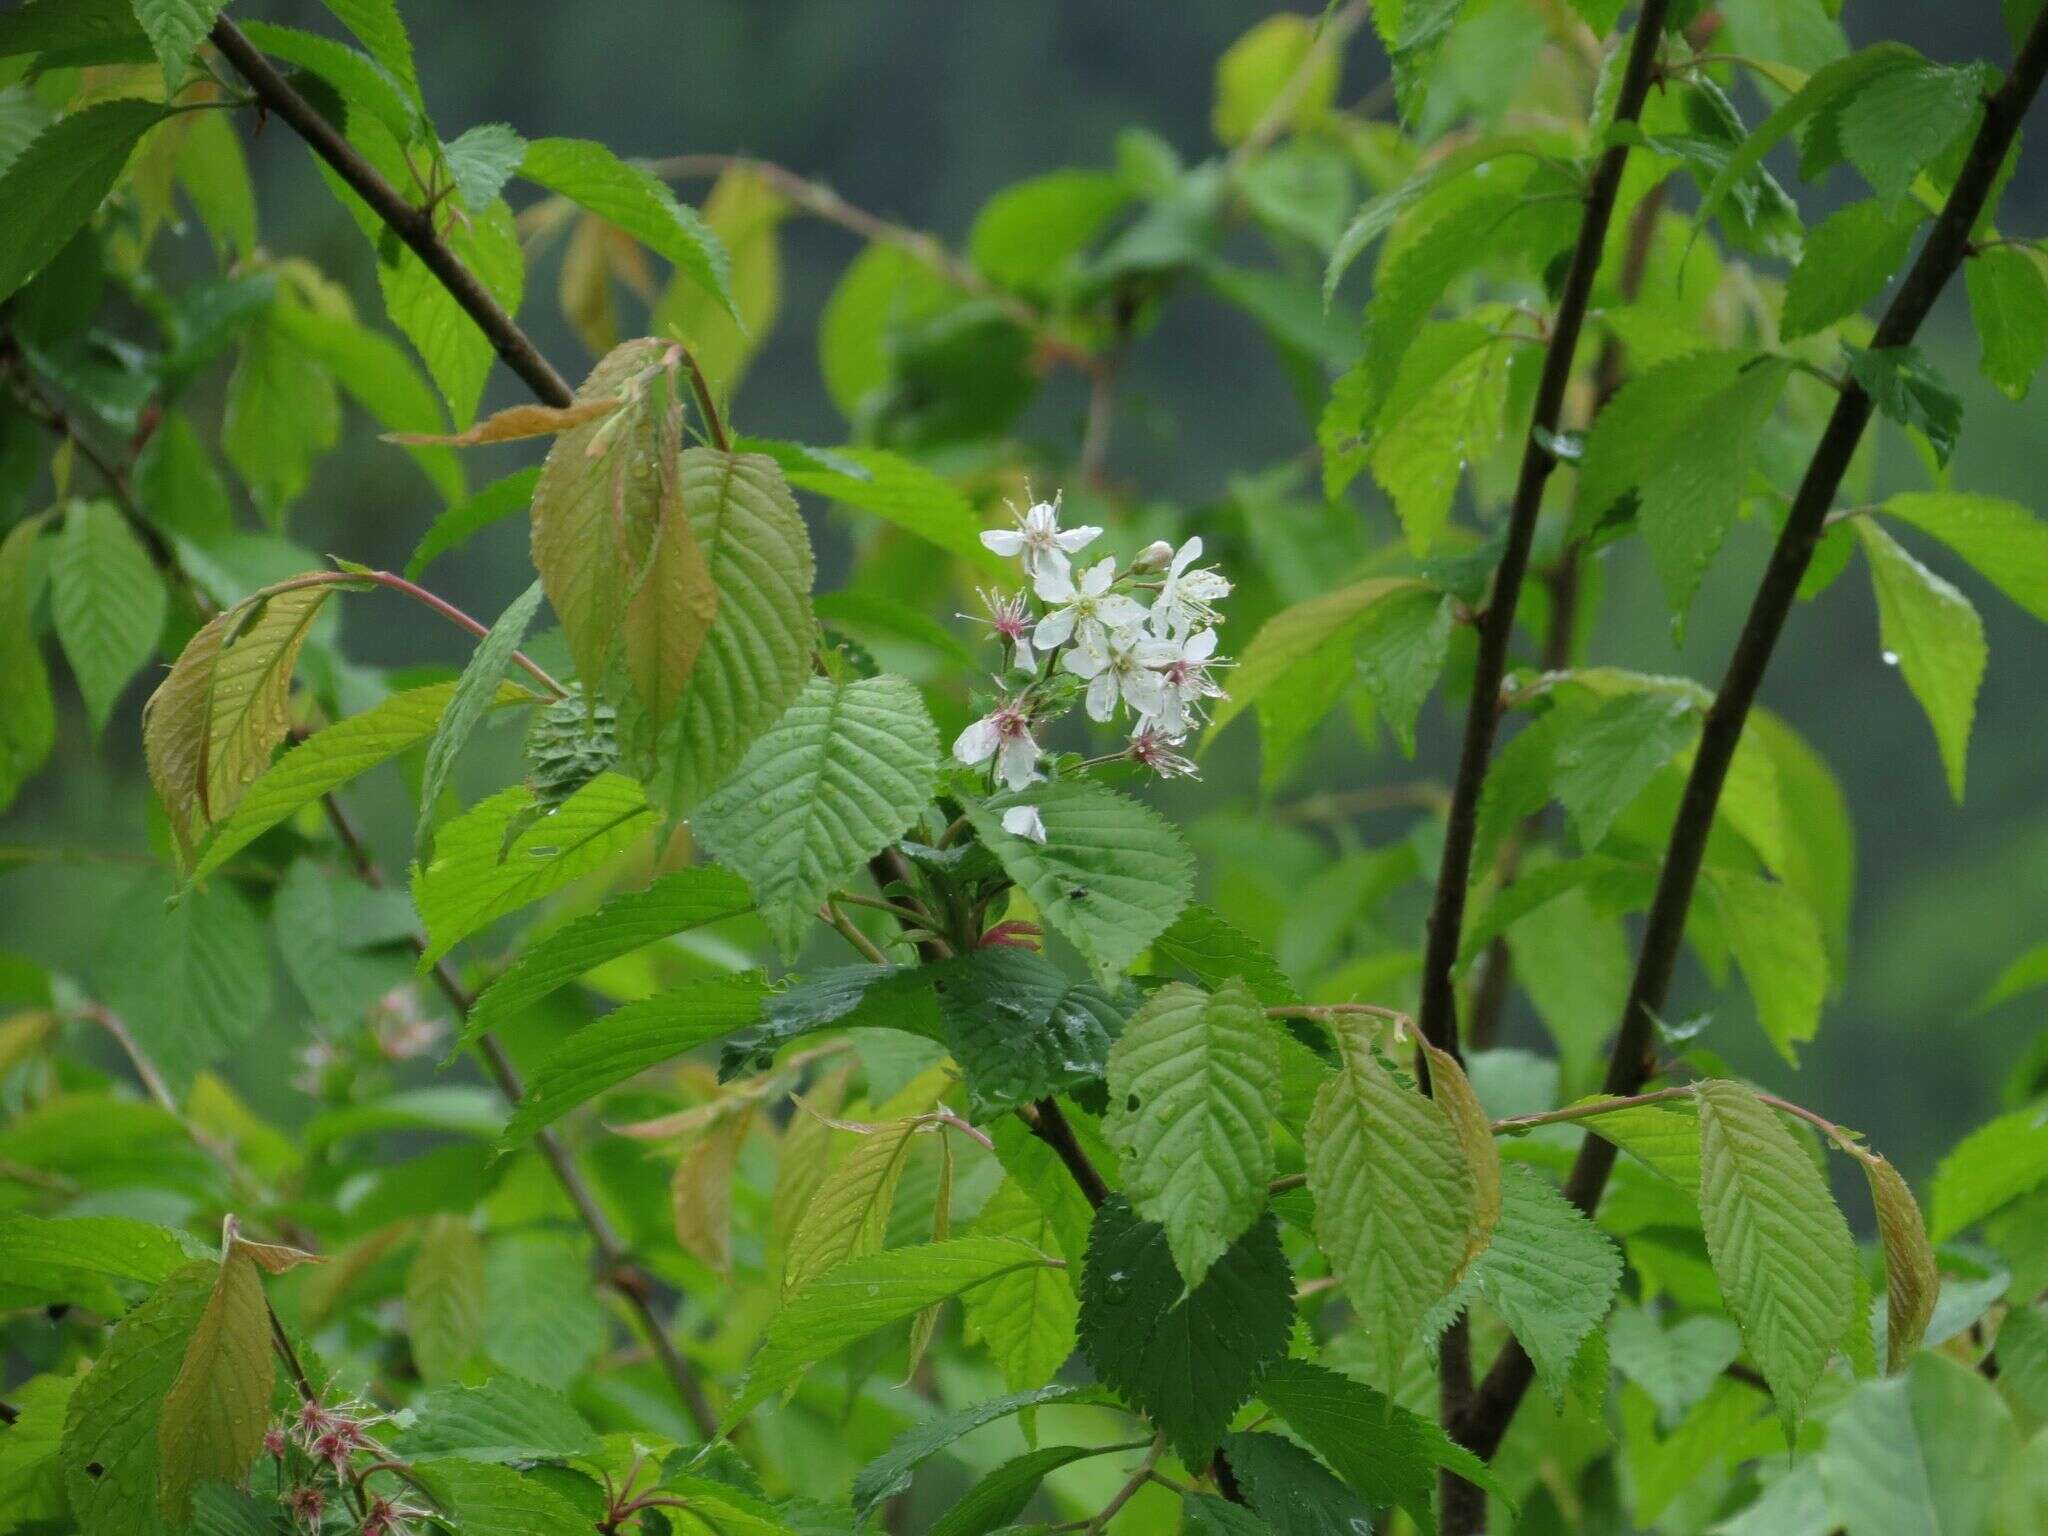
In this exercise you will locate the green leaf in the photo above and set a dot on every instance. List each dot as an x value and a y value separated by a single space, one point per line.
211 726
1684 435
757 656
672 904
1442 413
1389 1455
1393 1196
28 716
1820 847
1212 950
1899 123
31 1475
1919 1453
444 1298
905 493
1825 88
1549 1272
890 1473
1187 1357
1110 875
1912 392
848 1215
176 28
2004 542
614 536
1937 639
1663 1137
1194 1088
543 1320
59 26
1255 70
629 1040
462 522
1019 1027
344 943
54 186
498 856
281 415
366 88
850 1302
1025 1319
481 681
1026 234
1003 1494
487 1500
214 1416
1290 1490
506 1420
1610 885
1777 943
1849 259
1607 759
883 288
328 759
110 1449
1403 641
378 28
1204 1514
1988 1169
190 978
1675 1366
592 176
72 1260
846 770
482 159
1781 1250
1306 638
2009 304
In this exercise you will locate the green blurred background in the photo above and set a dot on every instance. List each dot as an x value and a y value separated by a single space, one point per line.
918 111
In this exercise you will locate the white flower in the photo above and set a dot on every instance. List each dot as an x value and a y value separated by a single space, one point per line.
1187 598
1004 734
1039 538
1024 821
1121 667
1154 748
1184 680
1088 612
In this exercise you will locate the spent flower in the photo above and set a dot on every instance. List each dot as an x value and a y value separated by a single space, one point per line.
1004 733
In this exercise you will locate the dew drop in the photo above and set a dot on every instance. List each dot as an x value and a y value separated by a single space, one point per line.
874 1290
1891 658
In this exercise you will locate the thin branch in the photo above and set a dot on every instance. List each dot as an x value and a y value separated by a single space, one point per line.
1125 1494
621 1272
1465 1505
411 223
1946 246
1048 1122
821 202
843 925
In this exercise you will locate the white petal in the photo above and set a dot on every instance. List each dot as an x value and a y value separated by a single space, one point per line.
976 742
1118 611
1024 821
1017 763
1096 579
1054 583
1052 631
1007 542
1187 554
1144 692
1073 539
1102 696
1084 660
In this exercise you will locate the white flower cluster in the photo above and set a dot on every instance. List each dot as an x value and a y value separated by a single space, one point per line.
1155 661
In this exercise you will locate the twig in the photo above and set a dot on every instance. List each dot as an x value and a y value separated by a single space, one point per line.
621 1272
1125 1494
1946 246
1048 1122
1464 1504
843 924
412 224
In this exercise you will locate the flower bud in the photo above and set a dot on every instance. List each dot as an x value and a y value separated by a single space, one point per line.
1156 556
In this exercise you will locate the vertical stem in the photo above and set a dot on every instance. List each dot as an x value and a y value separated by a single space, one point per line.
1946 246
1464 1506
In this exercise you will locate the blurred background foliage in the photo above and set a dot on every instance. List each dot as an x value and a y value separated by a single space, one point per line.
917 111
